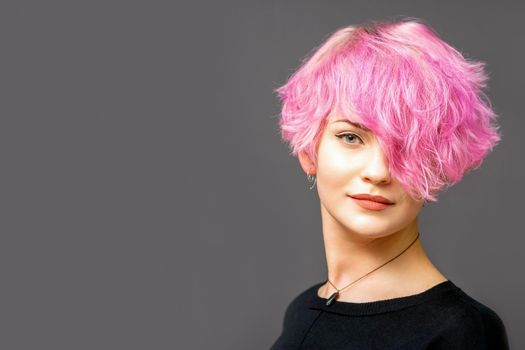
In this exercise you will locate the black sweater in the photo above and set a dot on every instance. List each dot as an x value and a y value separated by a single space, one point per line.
442 317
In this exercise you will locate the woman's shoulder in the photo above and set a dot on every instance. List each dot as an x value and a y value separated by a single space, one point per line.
302 298
305 295
465 318
468 307
297 315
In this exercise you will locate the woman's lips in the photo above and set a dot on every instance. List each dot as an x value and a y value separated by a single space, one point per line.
371 205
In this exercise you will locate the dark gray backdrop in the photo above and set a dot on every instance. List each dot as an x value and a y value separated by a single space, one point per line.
147 200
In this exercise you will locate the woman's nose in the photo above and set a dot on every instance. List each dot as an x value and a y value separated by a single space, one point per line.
375 169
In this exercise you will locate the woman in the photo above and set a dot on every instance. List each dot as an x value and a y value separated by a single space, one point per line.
382 117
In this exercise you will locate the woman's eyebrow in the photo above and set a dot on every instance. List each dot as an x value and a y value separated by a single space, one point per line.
357 125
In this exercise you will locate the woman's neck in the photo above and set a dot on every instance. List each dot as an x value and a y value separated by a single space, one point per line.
351 256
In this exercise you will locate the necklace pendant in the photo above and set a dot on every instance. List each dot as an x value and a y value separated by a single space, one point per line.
332 298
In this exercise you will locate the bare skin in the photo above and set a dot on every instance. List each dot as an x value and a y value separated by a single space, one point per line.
358 240
410 273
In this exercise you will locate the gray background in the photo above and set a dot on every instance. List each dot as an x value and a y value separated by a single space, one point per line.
147 200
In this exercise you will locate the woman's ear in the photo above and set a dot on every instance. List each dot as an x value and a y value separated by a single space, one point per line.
306 163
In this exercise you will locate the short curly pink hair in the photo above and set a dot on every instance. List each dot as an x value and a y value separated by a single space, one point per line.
420 97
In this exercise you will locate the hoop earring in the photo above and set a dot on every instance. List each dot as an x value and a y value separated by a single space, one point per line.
311 179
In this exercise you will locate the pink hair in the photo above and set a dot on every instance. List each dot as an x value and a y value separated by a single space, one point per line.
420 97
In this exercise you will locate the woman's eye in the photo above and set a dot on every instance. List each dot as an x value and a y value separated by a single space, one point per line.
350 136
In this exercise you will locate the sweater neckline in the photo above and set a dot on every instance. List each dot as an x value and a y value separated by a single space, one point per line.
379 306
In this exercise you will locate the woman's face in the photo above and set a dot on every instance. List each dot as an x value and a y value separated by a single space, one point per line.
351 162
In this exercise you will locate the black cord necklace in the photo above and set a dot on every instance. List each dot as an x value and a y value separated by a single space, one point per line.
335 295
